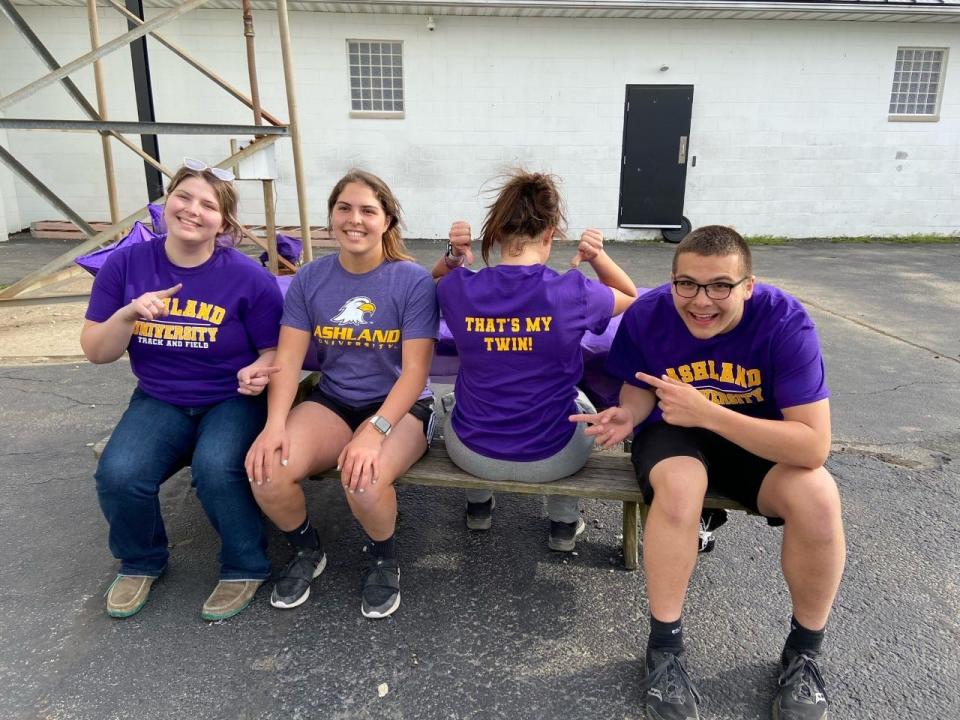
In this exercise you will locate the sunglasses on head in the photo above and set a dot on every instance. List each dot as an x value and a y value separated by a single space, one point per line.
200 166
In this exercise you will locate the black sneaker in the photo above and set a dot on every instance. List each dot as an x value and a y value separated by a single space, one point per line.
670 694
710 520
479 515
563 536
802 694
292 586
380 586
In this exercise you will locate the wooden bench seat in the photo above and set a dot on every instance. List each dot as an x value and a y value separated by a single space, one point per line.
608 475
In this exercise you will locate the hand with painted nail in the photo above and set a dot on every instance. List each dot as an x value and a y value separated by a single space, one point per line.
272 446
253 379
359 458
151 305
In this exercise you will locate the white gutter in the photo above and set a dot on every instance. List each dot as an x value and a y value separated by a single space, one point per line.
886 8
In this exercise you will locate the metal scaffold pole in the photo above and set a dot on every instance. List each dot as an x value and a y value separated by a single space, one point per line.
102 111
294 122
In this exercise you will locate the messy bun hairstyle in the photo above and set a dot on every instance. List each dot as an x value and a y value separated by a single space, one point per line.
527 205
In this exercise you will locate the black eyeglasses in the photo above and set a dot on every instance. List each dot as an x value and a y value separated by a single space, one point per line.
715 290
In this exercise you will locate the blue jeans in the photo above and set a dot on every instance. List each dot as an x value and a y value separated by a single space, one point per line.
152 441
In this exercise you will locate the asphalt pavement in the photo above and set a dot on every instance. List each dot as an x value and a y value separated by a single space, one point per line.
494 625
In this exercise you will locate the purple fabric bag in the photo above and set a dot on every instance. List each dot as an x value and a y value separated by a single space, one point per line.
288 248
156 219
95 260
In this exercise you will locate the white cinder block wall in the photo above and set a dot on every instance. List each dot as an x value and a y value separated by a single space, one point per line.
789 128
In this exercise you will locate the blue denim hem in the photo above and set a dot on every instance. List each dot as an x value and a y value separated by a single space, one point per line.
125 570
237 577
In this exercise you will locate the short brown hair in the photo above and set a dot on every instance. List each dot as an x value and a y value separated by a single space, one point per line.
527 204
393 247
226 199
715 240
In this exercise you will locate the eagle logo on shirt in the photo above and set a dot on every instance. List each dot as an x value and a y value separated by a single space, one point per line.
355 311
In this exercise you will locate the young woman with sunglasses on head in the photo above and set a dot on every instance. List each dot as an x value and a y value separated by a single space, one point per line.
517 327
374 315
200 322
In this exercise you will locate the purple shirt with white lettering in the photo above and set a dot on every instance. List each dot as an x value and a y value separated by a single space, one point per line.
517 329
360 322
226 312
770 361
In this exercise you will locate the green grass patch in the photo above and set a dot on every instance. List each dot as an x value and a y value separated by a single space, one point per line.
915 239
767 240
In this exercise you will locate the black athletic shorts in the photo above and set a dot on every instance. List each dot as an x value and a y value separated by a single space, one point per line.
354 417
731 470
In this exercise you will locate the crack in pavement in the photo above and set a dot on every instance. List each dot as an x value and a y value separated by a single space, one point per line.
85 403
879 331
895 388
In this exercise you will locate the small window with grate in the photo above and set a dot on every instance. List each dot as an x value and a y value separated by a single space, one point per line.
376 78
917 83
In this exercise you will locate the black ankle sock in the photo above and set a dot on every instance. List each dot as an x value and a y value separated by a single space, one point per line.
384 548
803 640
666 636
304 537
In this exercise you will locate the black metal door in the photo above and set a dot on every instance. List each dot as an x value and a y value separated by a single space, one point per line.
656 133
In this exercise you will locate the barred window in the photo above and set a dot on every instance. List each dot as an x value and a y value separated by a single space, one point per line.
917 83
376 77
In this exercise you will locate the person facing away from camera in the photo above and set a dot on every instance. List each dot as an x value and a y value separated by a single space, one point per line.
517 326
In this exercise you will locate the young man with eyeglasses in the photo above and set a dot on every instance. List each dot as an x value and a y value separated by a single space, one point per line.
725 385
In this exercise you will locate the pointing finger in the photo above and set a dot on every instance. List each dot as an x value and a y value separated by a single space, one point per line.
650 380
169 291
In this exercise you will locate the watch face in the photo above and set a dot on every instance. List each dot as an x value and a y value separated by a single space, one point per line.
381 424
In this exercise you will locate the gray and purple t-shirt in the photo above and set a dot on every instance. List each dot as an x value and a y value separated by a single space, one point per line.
226 312
517 329
770 361
360 321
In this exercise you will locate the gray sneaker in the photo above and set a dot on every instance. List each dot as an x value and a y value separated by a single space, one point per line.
292 586
670 694
802 694
480 515
563 536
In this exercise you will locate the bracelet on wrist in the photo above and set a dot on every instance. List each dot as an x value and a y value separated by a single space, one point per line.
450 260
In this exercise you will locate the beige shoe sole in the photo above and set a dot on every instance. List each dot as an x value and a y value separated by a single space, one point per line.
228 598
128 594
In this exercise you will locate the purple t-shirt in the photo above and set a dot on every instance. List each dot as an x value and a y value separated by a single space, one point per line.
360 321
227 310
770 361
517 329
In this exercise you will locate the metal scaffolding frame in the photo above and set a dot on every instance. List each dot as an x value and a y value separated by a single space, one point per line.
263 135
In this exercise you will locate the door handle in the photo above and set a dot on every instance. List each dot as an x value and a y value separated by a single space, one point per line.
682 157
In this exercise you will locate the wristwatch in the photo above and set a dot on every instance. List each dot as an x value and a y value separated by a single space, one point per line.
451 260
382 425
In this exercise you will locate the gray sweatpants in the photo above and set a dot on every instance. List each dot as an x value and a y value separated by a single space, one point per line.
566 461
